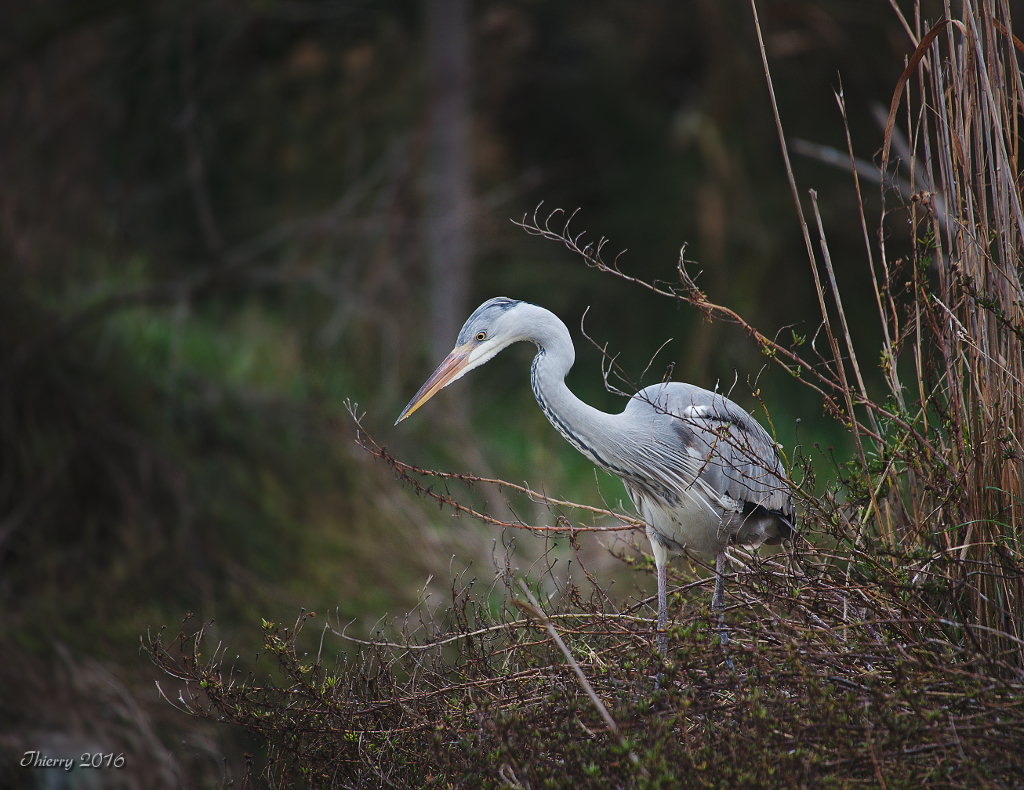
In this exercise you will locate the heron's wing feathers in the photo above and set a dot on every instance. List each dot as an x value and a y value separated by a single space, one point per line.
696 438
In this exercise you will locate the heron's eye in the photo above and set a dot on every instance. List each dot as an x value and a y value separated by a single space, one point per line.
481 336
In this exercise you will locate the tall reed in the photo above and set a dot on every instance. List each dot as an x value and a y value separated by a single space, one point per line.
950 448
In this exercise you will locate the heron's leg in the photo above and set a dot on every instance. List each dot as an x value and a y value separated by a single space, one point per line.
662 609
660 561
718 600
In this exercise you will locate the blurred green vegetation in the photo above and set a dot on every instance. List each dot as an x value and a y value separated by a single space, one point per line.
211 237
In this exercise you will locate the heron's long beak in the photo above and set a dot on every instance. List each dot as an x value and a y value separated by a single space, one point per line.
449 370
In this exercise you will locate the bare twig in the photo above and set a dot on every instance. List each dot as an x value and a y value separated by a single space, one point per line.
532 608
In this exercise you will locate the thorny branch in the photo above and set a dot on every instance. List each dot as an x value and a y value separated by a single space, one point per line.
821 378
413 475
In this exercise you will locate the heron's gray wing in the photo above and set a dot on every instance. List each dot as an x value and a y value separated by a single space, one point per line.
703 435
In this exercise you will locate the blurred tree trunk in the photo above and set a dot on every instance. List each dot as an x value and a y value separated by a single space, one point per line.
450 217
450 225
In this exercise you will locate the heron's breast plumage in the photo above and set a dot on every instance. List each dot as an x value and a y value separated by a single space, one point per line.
693 521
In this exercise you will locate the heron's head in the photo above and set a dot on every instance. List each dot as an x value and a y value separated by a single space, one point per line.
492 327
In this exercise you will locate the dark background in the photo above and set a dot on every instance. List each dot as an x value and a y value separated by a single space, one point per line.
220 220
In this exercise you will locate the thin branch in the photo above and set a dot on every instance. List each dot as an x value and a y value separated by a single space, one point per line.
532 608
405 472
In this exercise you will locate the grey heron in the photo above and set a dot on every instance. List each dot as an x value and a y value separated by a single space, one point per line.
701 472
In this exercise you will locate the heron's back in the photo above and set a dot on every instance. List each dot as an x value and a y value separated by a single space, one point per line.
704 472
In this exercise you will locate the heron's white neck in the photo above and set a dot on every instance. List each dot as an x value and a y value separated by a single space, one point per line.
587 429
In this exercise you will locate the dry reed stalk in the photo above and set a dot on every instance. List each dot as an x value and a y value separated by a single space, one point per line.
941 463
966 315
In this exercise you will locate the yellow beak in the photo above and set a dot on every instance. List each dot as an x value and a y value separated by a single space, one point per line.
453 366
